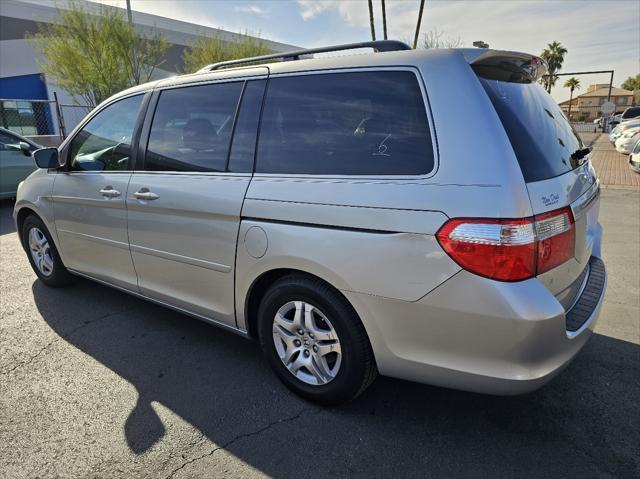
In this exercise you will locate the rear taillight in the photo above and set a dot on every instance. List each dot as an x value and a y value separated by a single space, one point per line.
510 250
556 238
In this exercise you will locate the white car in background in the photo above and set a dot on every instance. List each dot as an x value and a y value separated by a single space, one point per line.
634 158
619 130
627 141
631 113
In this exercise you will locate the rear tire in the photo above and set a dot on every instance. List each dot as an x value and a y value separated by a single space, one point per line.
42 253
315 341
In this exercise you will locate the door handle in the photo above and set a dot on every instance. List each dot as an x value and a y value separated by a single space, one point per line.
109 192
145 194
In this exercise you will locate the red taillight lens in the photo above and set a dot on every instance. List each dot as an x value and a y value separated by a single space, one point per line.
510 250
498 249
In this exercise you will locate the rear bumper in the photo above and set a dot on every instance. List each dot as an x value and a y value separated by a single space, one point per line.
634 165
479 335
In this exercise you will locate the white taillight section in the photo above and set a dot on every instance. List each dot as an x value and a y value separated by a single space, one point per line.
493 234
554 225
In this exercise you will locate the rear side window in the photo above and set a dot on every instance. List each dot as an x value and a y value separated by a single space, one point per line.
191 128
363 123
544 142
631 112
7 140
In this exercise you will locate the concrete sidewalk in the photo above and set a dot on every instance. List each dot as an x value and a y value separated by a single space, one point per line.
613 167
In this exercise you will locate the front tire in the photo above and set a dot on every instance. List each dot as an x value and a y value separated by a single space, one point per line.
42 253
315 341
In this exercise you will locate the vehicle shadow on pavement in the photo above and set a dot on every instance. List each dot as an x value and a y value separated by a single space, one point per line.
6 219
584 424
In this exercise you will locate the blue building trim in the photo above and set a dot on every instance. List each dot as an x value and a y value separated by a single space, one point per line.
27 87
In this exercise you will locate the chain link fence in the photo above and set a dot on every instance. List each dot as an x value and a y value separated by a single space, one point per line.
46 121
584 118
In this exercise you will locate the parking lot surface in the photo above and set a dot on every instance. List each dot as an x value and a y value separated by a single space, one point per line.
96 383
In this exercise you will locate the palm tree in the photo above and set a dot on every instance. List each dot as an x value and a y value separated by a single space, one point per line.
554 56
384 20
574 84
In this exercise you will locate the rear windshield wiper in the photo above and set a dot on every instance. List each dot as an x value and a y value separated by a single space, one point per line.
580 154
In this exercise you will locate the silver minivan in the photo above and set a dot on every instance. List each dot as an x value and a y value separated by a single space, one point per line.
426 215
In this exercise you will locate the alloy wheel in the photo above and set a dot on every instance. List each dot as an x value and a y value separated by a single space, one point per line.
40 251
307 342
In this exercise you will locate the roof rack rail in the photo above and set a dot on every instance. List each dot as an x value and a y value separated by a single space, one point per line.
378 46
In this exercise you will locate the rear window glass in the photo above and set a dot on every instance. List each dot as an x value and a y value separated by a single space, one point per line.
362 123
544 142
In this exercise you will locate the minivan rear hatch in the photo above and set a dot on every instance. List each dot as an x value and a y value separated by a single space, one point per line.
553 159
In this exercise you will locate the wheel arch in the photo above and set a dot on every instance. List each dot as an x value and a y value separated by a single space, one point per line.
21 216
22 211
261 284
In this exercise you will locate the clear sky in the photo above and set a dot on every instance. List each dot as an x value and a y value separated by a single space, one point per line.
599 34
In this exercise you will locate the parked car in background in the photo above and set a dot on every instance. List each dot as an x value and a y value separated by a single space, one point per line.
357 232
630 113
619 130
15 161
627 141
634 157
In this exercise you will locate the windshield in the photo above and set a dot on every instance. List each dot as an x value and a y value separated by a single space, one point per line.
544 142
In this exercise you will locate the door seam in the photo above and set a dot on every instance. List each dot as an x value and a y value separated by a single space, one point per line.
126 207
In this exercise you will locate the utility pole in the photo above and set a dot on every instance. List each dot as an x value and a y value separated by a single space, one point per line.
129 16
373 28
134 60
384 20
415 40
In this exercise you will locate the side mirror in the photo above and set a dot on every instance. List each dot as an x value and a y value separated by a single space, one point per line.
26 148
47 158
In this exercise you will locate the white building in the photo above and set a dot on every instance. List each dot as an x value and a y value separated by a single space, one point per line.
21 77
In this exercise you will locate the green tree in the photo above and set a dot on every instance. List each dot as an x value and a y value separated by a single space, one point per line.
633 84
554 56
212 49
93 56
574 84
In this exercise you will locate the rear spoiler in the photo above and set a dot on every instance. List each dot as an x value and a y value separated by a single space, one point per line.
511 67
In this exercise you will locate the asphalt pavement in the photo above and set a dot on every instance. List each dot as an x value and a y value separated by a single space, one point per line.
96 383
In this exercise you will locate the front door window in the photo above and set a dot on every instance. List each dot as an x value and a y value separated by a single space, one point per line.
104 144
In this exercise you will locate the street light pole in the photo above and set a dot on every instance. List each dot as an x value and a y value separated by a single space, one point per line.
415 40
